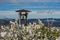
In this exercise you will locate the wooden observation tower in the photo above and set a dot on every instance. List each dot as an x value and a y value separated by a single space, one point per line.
23 16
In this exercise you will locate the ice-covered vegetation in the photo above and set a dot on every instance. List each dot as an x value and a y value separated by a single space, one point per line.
30 32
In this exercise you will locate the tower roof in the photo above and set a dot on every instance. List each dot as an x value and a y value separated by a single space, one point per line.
23 10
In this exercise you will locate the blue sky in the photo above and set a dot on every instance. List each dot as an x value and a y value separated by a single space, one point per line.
8 8
30 6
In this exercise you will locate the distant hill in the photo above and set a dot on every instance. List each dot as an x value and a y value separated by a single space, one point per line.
5 21
51 21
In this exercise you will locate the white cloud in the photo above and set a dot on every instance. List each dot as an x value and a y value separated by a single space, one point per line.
9 1
18 1
46 0
44 14
8 14
14 1
39 0
33 14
